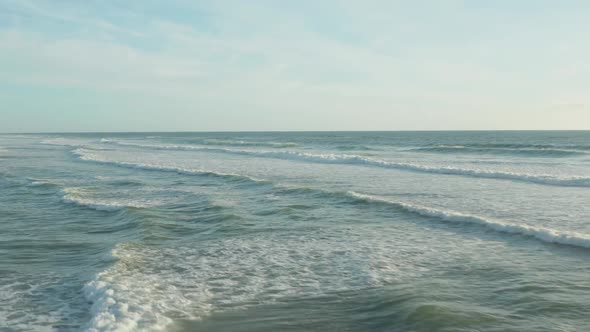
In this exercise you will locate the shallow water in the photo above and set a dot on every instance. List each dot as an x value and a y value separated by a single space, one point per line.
379 231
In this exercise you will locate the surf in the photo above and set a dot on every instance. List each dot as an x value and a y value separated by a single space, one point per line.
87 155
227 142
543 234
348 159
539 233
80 197
524 152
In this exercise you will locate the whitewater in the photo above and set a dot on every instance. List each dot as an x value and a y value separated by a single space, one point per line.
357 231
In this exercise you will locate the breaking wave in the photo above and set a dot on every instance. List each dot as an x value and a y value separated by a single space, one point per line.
227 142
543 234
517 151
84 154
574 181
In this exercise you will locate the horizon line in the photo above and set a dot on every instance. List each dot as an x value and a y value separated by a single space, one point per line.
292 131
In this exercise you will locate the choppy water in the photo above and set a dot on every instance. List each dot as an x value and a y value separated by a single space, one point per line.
400 231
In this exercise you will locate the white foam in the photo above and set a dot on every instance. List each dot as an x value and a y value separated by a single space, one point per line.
85 154
60 141
543 234
76 196
249 143
127 298
149 287
328 158
539 233
534 152
43 182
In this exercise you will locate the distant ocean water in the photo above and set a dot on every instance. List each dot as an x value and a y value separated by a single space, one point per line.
338 231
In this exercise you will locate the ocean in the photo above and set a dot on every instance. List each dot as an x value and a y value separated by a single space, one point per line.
295 231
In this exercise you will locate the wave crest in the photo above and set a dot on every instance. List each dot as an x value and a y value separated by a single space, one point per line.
228 142
84 154
545 179
543 234
525 152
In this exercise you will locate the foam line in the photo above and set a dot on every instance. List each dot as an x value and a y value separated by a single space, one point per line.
576 181
84 154
73 196
543 234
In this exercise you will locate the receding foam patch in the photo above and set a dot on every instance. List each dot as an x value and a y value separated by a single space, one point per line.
84 197
150 287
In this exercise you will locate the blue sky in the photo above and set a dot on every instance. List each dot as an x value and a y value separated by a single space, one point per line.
293 65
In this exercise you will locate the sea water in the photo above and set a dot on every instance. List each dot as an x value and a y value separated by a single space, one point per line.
302 231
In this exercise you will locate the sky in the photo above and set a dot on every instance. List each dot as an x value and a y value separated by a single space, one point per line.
262 65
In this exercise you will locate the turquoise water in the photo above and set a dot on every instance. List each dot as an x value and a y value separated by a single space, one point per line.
363 231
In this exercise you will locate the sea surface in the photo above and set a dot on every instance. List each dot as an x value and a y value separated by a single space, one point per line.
302 231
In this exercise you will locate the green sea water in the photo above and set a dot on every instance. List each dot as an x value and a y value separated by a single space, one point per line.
302 231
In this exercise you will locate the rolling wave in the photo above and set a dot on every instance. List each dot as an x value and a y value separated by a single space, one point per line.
228 142
353 147
526 152
575 181
542 234
218 142
84 154
63 142
527 146
539 233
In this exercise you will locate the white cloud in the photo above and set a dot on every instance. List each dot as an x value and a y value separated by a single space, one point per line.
264 60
